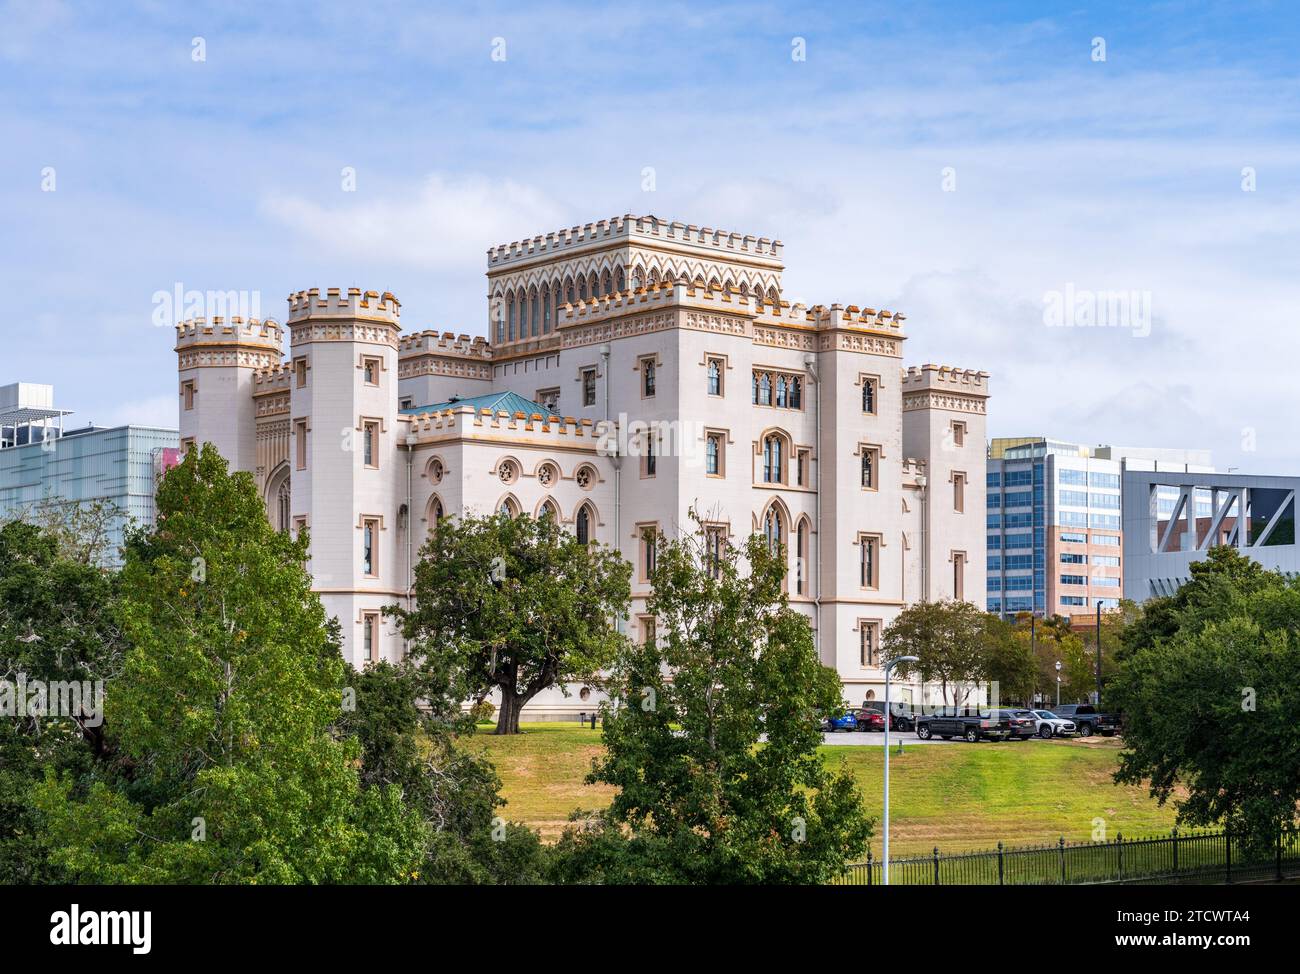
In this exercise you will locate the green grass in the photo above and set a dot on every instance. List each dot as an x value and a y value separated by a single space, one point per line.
955 796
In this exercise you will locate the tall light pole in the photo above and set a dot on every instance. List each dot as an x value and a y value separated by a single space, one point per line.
889 713
1058 683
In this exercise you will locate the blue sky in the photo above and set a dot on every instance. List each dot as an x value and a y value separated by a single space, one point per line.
1064 172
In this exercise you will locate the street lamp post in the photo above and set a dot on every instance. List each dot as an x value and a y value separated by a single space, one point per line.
1058 683
889 713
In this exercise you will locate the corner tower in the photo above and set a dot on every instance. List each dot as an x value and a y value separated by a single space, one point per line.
344 459
217 362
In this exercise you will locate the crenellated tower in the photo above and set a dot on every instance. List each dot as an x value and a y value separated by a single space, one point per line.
217 363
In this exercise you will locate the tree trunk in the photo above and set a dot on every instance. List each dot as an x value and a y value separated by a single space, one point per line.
508 715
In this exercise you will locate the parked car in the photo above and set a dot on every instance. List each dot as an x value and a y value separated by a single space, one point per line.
1052 725
1088 719
1023 724
969 724
846 721
900 719
871 720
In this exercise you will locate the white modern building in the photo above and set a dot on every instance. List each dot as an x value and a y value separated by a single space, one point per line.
1172 519
42 463
637 369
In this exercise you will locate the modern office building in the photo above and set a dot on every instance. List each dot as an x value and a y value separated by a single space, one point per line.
42 463
637 370
1055 532
1172 519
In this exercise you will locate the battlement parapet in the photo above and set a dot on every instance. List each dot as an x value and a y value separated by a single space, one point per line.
852 316
630 228
275 379
470 420
914 467
946 378
265 333
355 303
445 343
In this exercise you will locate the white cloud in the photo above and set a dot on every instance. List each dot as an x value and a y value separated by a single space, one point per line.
445 223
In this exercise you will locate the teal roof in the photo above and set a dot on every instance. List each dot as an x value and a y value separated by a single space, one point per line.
509 402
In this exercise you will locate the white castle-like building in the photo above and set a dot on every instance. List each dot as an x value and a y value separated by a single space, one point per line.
797 423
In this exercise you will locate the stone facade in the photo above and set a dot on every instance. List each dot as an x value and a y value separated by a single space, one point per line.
637 370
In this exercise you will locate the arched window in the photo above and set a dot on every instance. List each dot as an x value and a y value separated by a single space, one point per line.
654 277
582 288
868 396
773 459
509 507
435 514
608 283
774 529
534 312
514 316
548 509
711 457
584 525
619 281
593 285
546 310
282 505
796 393
569 294
771 295
638 279
715 377
764 390
780 392
801 558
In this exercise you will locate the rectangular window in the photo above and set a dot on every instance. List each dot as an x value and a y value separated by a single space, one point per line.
647 630
370 371
870 467
647 377
715 368
649 534
189 391
1073 537
1075 478
1072 558
406 402
299 525
715 538
802 471
783 390
370 547
1106 582
370 443
958 433
870 393
300 443
300 372
993 480
869 641
1103 480
714 454
1073 600
959 576
958 492
1106 561
649 461
1109 540
589 387
869 560
1074 580
370 636
550 398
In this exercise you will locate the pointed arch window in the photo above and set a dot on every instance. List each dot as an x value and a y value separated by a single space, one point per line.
282 505
715 377
546 310
781 392
801 558
583 526
513 316
774 529
773 459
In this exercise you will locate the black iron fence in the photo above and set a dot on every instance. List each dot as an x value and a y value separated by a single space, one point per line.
1180 857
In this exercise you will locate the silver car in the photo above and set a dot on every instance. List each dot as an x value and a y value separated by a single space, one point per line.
1050 725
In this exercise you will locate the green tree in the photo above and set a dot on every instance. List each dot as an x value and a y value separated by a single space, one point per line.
408 726
700 799
57 623
516 605
949 639
1005 659
1207 687
228 768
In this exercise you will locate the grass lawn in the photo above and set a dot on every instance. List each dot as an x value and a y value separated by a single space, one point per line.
956 796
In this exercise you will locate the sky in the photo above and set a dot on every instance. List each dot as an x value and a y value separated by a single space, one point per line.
1098 204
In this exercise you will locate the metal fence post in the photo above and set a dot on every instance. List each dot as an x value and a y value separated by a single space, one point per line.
1000 873
1277 858
1175 850
1061 846
868 867
1227 859
936 865
1119 852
